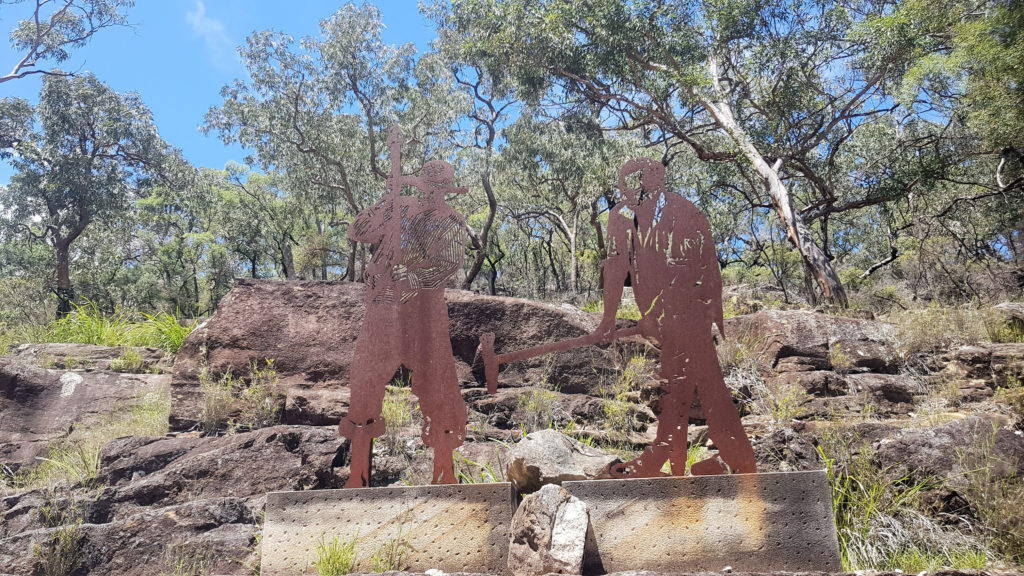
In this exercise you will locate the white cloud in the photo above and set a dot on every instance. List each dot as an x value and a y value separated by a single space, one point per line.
219 47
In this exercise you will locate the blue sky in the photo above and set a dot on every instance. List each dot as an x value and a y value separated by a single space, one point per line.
179 53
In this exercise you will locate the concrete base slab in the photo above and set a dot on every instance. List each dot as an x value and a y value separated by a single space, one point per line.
750 522
454 528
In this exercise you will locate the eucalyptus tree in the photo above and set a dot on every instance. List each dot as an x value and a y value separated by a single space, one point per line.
317 111
82 155
776 91
52 28
561 174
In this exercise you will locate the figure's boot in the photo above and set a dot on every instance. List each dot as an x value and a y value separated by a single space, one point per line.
444 467
361 437
359 469
709 467
647 465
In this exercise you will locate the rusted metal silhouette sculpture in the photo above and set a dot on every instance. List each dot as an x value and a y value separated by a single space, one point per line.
419 243
663 244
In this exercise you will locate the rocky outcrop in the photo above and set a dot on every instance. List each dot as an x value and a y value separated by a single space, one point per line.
988 364
213 535
65 356
798 340
550 457
38 405
309 330
939 450
139 474
548 533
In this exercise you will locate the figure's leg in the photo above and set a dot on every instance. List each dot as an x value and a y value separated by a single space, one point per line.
724 426
669 443
374 363
436 385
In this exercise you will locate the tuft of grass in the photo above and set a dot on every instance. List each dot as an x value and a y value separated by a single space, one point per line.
541 408
618 406
88 325
992 494
470 472
628 310
399 410
841 362
256 399
878 513
937 328
62 553
335 557
261 401
164 331
187 560
217 400
782 402
391 556
129 361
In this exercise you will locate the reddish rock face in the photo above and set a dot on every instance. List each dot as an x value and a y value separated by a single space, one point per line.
309 329
39 405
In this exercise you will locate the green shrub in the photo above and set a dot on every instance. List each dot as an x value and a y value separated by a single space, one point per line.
334 557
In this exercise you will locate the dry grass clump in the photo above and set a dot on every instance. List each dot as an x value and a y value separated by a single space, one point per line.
879 517
996 495
400 409
256 399
540 408
619 407
939 328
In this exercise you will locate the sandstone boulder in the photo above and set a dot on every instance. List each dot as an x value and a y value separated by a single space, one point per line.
66 356
548 533
309 329
145 472
815 339
550 457
38 405
938 450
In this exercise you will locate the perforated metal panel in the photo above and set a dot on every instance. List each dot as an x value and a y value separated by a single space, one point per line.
454 528
751 522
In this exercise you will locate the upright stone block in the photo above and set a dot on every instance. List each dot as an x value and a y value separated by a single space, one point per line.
454 528
750 522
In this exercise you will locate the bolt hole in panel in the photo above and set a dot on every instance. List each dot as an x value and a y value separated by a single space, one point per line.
751 522
454 528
